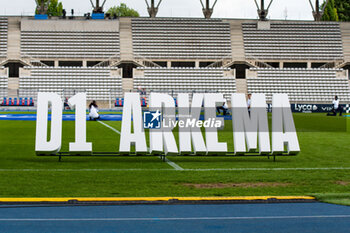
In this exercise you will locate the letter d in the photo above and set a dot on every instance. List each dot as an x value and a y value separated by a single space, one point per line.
42 146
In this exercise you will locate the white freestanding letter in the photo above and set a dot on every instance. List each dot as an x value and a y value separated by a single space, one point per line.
42 146
283 128
188 133
132 106
165 104
245 127
211 133
78 102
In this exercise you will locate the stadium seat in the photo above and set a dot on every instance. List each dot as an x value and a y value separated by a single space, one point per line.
4 102
293 41
143 102
31 102
96 82
302 85
3 36
119 102
185 80
65 44
3 81
17 101
212 38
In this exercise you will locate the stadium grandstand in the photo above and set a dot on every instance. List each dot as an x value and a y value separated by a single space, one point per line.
209 164
309 60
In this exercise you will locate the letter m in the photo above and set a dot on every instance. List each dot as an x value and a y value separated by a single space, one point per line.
247 129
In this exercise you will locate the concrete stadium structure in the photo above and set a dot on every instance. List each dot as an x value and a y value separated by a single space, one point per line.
308 60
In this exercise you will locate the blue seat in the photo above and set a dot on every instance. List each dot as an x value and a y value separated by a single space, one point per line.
143 102
31 102
119 102
4 102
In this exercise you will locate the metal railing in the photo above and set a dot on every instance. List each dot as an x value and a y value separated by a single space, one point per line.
112 60
333 64
105 95
222 62
146 62
257 63
31 60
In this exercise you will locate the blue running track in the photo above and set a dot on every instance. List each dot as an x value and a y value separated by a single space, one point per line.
286 217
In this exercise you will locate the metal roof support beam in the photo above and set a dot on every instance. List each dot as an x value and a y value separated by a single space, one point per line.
97 7
152 9
207 10
42 7
316 12
262 12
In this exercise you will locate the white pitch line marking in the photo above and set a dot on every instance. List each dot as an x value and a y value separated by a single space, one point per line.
172 164
183 169
109 127
171 219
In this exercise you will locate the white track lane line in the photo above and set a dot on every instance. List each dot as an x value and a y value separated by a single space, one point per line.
172 164
172 219
183 169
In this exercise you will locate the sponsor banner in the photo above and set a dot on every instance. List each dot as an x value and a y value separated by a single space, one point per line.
316 107
309 108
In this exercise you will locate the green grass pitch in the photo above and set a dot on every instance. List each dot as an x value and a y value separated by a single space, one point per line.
317 170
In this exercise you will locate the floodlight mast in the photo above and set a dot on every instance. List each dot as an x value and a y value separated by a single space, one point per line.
316 12
207 10
152 9
262 12
97 7
42 6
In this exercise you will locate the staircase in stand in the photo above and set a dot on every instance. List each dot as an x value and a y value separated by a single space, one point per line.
13 86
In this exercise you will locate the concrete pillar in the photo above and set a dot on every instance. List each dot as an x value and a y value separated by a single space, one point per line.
196 64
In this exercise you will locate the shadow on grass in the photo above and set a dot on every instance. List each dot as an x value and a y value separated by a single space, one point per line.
89 159
151 159
209 159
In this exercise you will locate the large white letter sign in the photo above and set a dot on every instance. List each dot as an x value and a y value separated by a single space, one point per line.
165 104
188 132
283 128
245 127
211 133
78 102
42 146
132 106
